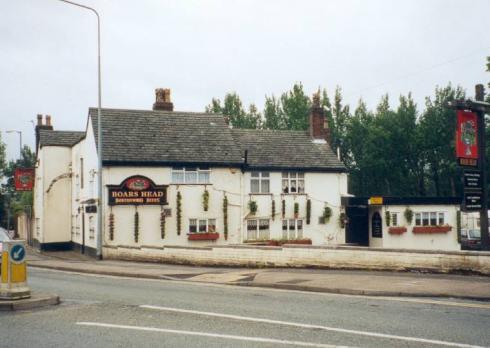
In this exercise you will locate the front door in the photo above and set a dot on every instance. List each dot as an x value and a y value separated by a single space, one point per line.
357 228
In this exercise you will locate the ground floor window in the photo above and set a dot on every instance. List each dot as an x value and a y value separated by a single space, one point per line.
292 229
258 229
394 219
202 225
430 218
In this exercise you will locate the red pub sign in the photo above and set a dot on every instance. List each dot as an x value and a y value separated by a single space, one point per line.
24 179
137 190
466 135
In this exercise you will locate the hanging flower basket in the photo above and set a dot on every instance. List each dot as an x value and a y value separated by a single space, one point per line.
203 236
397 230
431 229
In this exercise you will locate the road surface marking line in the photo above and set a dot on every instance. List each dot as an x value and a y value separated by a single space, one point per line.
209 334
311 293
316 327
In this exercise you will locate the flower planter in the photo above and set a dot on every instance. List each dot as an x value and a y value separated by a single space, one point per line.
431 229
397 230
203 236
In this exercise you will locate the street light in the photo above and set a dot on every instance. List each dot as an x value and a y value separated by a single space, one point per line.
20 141
99 130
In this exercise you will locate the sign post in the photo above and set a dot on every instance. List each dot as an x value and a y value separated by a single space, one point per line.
13 275
471 152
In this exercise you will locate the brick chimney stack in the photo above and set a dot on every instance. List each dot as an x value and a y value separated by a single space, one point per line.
163 100
40 125
318 123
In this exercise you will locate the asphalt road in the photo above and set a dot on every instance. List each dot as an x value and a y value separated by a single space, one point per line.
117 312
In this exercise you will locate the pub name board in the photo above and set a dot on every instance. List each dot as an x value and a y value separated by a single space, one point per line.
137 190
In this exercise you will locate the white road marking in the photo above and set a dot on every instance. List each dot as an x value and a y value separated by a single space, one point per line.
244 288
209 334
316 327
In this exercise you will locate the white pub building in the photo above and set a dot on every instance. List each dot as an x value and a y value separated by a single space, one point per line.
185 179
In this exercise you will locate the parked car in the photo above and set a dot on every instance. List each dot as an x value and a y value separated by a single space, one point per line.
470 239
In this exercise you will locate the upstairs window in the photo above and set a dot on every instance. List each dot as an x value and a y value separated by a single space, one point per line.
293 182
190 175
260 182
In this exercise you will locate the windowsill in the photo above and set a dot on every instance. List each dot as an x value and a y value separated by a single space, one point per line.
294 194
259 194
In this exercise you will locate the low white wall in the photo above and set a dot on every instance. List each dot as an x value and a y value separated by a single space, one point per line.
300 256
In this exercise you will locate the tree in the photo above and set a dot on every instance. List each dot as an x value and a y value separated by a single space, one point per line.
233 108
295 106
273 116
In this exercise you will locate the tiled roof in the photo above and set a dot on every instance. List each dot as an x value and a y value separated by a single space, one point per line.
159 137
59 138
285 149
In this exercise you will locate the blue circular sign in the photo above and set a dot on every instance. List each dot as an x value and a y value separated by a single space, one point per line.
17 253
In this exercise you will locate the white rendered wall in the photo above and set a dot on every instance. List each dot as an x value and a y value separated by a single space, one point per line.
321 188
222 180
421 241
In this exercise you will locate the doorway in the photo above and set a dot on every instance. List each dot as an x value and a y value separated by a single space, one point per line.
357 227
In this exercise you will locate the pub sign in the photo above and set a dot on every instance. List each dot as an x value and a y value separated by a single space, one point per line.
137 190
24 179
466 135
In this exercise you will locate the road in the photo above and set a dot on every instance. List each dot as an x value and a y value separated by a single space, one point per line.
101 311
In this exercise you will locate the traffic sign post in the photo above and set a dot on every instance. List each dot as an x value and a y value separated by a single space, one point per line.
13 274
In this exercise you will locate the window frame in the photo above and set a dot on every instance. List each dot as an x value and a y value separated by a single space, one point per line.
202 175
430 218
260 178
298 227
287 180
257 230
195 223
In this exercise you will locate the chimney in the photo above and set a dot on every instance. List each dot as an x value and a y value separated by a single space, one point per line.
163 100
318 122
40 125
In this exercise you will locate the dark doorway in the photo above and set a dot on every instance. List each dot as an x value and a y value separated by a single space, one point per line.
357 228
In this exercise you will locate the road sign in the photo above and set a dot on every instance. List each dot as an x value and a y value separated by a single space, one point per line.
17 253
472 180
473 201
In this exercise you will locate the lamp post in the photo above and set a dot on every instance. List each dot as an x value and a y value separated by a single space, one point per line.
99 131
20 141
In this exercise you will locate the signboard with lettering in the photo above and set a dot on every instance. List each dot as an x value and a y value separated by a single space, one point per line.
137 190
375 200
24 179
466 135
472 201
472 180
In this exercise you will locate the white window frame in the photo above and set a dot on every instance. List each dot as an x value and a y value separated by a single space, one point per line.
426 218
294 229
261 178
290 179
257 233
197 223
395 219
201 175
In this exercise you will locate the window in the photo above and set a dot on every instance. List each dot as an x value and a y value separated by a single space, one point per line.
292 229
394 219
293 182
258 229
202 225
430 218
190 175
260 182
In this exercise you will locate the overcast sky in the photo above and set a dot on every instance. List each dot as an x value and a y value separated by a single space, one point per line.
204 49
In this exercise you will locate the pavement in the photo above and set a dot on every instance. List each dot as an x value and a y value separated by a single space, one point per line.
370 283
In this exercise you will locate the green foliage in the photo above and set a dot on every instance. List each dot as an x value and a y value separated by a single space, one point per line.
233 107
327 214
388 218
136 226
308 211
205 200
179 213
252 206
111 226
408 213
296 209
342 218
225 217
162 224
283 208
273 209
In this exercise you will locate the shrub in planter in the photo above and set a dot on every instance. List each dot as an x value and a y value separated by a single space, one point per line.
296 210
408 215
252 206
397 230
327 214
388 218
205 200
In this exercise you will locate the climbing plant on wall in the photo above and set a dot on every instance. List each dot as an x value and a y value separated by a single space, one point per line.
162 223
273 209
388 218
136 226
283 208
179 213
111 226
308 211
205 200
225 217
